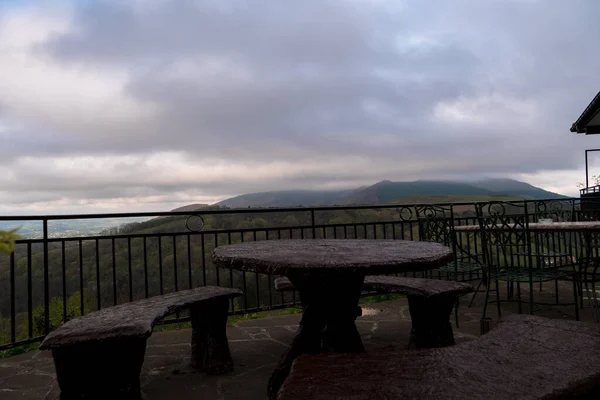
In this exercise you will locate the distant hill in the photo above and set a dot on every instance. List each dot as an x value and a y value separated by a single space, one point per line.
192 207
385 191
442 199
388 191
516 188
287 198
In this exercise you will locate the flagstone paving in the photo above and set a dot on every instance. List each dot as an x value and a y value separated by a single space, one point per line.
255 346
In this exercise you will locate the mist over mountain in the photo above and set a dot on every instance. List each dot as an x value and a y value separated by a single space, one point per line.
387 191
192 207
288 198
516 188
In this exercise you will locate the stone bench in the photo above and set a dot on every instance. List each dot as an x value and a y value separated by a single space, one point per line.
523 357
430 302
100 355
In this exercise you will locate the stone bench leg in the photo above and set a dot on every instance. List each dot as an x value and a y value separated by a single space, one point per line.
210 348
101 370
431 325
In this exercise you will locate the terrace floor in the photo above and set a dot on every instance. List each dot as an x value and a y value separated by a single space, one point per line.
255 347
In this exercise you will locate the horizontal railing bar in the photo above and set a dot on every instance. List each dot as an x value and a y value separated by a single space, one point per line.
590 189
211 232
21 342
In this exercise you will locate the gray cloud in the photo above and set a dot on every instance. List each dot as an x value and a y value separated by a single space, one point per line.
442 89
307 71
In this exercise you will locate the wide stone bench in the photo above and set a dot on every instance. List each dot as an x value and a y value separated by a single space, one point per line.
100 355
523 357
430 303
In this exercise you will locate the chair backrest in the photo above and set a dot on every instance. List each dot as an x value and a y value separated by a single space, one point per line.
587 209
558 210
558 247
505 235
436 223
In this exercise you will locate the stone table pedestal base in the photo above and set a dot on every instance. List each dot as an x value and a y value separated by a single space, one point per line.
329 309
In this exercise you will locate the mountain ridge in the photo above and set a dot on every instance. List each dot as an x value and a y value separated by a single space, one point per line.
385 191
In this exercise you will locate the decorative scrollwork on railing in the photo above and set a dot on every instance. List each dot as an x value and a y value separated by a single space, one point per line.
561 205
405 213
557 205
427 212
494 208
434 211
540 207
189 223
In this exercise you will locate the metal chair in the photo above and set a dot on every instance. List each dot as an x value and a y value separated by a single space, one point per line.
509 253
588 253
552 248
589 269
436 224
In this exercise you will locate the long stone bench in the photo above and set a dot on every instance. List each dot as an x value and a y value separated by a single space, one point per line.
100 355
523 357
430 303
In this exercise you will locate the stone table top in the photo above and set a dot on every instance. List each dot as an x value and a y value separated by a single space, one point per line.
363 255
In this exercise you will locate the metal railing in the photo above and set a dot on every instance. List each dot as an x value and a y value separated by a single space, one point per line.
589 190
53 277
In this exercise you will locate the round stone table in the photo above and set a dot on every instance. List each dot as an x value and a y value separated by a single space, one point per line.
328 275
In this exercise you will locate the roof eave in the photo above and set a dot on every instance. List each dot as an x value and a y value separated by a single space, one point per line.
575 129
588 130
580 126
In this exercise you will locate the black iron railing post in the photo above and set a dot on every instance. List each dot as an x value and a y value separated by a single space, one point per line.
81 296
13 296
64 280
46 280
312 223
29 293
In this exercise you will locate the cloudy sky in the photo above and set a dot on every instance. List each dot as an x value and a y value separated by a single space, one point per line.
147 105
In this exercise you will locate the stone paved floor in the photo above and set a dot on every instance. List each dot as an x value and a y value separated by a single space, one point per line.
255 346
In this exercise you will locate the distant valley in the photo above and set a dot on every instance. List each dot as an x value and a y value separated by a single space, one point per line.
66 227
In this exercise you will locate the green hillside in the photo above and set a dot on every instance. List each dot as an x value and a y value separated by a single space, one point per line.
516 188
440 199
388 191
286 198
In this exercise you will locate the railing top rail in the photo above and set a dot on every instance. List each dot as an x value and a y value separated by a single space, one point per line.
248 210
590 189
